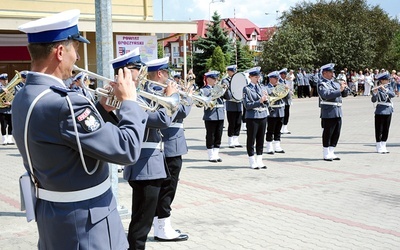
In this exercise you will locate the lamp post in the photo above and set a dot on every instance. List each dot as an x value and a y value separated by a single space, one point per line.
209 6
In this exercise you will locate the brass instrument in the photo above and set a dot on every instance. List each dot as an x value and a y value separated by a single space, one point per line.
340 81
8 95
280 91
198 100
170 103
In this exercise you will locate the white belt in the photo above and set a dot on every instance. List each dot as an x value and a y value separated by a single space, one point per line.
332 103
278 106
155 145
389 104
219 106
260 109
176 125
74 196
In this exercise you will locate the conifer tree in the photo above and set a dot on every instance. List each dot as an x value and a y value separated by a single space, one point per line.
215 36
217 61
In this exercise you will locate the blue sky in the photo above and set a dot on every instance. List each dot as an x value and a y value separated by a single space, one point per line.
254 10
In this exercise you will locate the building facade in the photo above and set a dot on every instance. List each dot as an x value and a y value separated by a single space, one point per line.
134 17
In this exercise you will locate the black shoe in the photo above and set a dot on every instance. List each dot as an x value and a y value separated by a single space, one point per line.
270 152
219 160
329 159
215 161
336 159
239 146
232 146
264 167
280 152
181 237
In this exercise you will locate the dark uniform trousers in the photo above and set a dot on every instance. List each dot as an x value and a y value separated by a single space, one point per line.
331 131
214 133
287 113
234 122
382 125
5 123
145 196
274 128
168 189
255 133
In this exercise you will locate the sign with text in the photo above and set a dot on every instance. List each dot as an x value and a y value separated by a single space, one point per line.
147 46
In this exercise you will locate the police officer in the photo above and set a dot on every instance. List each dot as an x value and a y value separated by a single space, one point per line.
382 95
213 118
234 110
70 144
175 146
300 84
275 117
148 174
287 100
5 114
255 102
77 85
330 102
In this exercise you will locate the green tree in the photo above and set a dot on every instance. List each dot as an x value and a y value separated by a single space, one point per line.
244 57
160 50
290 47
217 61
349 33
215 36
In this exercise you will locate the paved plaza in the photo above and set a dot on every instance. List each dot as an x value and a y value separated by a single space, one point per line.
299 202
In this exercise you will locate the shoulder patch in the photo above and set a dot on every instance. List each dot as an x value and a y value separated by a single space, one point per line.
89 120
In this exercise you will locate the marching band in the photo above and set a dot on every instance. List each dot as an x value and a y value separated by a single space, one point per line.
141 127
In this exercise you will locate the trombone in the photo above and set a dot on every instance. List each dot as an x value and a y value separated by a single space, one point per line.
170 103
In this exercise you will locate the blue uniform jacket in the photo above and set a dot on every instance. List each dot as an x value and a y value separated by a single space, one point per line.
251 101
288 99
150 165
382 97
173 137
218 112
329 92
279 106
300 79
231 104
58 167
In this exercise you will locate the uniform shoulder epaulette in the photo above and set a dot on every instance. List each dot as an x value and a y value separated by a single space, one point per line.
61 90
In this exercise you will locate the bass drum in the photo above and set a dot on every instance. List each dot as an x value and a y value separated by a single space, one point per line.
238 82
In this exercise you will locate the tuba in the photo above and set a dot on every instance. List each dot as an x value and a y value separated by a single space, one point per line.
8 95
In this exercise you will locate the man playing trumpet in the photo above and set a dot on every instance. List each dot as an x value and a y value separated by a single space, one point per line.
330 101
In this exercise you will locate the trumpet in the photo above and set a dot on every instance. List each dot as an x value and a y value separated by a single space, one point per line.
340 81
170 103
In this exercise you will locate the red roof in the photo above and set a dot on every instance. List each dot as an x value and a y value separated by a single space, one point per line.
267 33
242 26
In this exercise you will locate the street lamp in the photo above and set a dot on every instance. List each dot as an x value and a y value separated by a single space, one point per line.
209 6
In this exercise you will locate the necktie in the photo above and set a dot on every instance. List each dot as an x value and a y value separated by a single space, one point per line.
257 89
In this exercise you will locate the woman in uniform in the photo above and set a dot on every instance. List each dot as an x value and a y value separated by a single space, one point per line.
255 102
213 118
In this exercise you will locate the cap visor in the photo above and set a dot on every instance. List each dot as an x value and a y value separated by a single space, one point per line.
81 39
